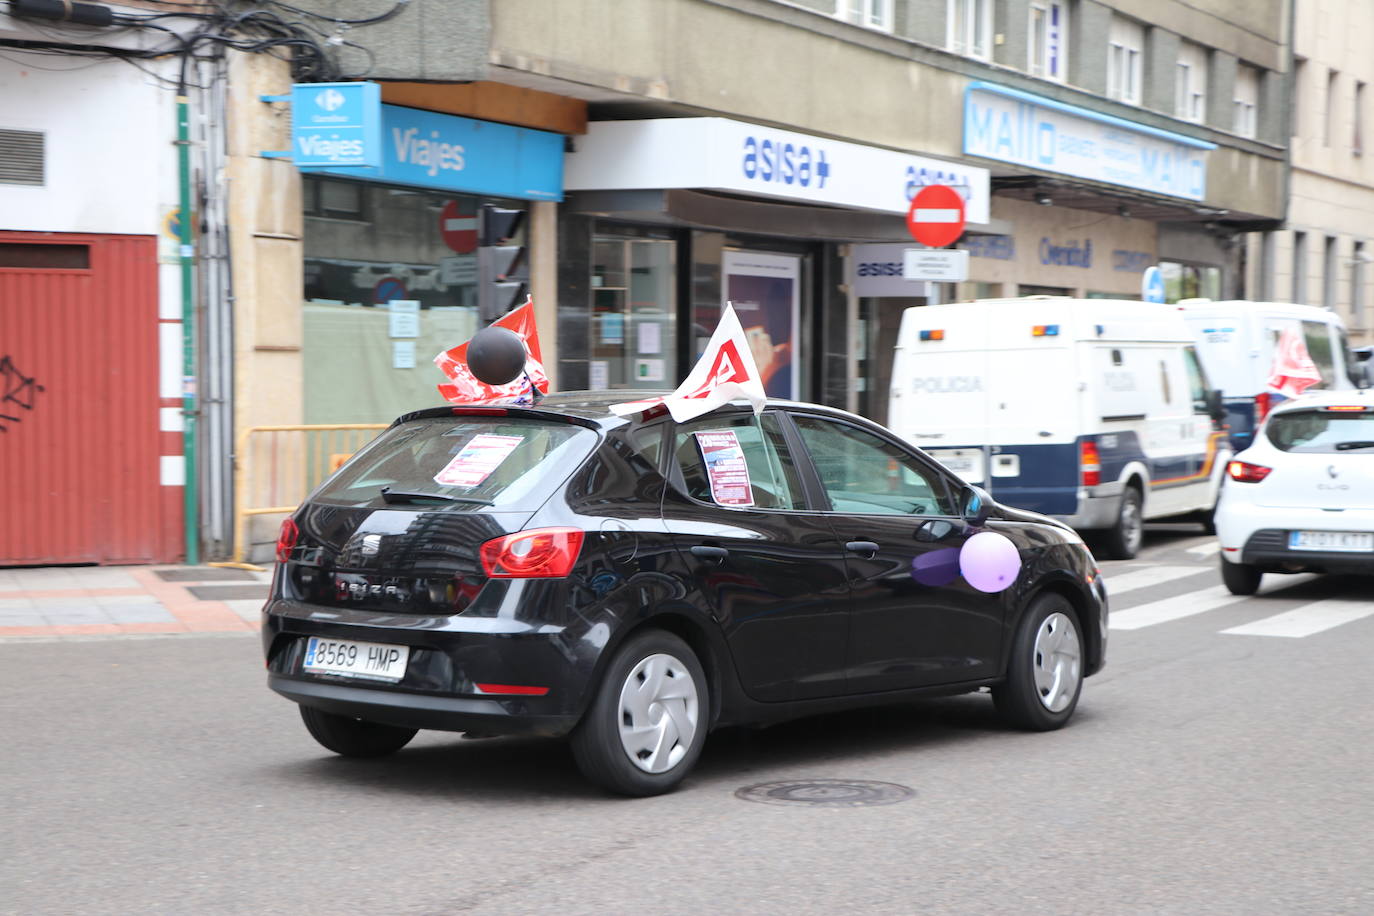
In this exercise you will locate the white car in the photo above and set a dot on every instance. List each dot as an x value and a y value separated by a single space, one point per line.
1301 497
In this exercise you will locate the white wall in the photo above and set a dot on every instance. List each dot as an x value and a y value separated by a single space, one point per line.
110 158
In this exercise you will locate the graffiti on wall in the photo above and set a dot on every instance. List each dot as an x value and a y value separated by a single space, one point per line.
17 392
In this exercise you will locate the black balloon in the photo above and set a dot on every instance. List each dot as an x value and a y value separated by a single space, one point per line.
496 355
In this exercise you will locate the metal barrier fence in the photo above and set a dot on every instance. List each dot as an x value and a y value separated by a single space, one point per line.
276 467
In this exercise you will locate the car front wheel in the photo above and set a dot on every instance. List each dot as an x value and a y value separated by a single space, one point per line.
647 723
354 737
1045 673
1240 579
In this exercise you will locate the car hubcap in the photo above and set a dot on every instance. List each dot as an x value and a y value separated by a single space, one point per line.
658 713
1057 662
1131 525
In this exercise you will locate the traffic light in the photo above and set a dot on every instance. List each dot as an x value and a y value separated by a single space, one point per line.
503 268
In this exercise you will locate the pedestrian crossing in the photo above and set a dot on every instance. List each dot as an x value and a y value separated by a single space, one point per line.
1146 595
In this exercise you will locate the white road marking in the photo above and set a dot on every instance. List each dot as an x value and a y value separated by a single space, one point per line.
1145 615
1308 619
1211 548
1153 575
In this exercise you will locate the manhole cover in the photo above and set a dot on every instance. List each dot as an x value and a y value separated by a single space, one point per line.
826 793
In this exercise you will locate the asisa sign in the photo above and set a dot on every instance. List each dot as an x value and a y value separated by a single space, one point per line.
723 155
1009 125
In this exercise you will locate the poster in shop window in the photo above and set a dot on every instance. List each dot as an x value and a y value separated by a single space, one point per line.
474 464
765 290
725 467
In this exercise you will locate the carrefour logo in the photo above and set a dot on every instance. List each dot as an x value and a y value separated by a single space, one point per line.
330 99
784 162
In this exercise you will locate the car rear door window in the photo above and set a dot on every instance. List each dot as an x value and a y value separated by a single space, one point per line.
704 452
864 474
510 462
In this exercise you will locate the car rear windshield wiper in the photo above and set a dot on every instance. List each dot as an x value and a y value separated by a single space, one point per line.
1360 443
409 496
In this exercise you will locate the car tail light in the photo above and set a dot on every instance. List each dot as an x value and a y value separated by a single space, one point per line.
543 553
1089 463
286 540
1244 472
1356 407
1264 402
517 690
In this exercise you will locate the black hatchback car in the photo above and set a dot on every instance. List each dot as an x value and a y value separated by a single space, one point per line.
634 583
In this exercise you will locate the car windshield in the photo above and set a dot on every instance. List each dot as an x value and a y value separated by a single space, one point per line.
1322 431
462 464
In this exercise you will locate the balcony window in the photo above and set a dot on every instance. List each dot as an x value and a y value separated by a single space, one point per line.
1125 52
970 28
1048 40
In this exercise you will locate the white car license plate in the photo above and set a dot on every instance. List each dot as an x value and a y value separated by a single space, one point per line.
1354 541
370 660
966 462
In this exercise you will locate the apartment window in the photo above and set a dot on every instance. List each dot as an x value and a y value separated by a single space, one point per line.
1246 100
1357 134
1359 258
1125 51
1300 268
970 27
1329 268
1048 40
1190 83
1329 120
872 14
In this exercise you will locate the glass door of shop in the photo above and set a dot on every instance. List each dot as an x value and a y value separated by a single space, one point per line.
634 313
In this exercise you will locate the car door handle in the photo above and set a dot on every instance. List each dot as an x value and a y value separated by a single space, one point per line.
707 552
868 548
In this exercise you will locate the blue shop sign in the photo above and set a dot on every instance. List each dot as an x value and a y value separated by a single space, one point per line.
335 124
1009 125
426 149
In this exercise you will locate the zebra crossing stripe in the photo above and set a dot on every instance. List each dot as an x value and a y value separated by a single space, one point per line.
1153 575
1176 608
1308 619
1211 548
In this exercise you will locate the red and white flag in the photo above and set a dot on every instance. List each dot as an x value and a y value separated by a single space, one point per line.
1293 371
466 388
726 371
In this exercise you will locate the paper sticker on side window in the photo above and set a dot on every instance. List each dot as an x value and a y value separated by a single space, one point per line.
482 455
725 467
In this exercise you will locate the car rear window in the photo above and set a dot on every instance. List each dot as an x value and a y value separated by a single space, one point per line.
1322 431
466 462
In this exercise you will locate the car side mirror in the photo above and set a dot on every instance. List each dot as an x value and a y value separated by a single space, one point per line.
1215 408
976 506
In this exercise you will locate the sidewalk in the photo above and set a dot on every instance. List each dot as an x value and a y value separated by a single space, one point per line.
54 601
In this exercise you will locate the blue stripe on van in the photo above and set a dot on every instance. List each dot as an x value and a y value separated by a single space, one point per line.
1048 481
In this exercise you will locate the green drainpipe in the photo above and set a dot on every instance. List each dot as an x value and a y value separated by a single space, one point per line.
188 336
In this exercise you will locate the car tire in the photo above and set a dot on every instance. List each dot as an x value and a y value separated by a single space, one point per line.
1239 578
1122 541
1045 672
647 722
351 737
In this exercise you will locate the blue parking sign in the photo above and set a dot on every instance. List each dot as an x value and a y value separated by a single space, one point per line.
336 124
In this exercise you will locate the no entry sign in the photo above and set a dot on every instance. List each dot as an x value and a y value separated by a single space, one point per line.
459 229
936 216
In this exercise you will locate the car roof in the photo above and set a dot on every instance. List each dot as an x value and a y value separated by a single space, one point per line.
1362 396
594 407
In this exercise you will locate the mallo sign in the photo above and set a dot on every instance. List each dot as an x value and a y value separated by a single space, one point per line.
723 155
1009 125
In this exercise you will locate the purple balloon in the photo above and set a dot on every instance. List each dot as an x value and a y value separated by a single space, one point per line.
937 567
989 561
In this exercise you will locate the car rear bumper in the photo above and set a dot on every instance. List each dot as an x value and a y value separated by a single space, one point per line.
1258 535
480 675
1267 549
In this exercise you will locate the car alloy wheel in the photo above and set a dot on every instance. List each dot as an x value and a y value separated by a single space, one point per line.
659 713
1058 664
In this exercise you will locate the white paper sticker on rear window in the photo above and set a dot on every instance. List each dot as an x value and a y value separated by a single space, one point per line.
725 467
482 455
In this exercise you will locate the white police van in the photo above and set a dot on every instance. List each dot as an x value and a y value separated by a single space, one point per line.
1236 340
1095 411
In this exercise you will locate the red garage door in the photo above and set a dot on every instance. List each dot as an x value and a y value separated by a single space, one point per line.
82 475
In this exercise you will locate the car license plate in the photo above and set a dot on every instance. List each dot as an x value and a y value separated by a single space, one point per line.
347 658
967 463
1354 541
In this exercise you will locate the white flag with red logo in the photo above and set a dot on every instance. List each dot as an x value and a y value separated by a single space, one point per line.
726 371
1293 371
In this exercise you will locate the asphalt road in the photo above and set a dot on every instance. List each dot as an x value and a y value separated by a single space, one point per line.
1205 772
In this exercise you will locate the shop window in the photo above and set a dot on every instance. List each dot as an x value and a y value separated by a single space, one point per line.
1048 39
334 199
634 307
33 256
1190 281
